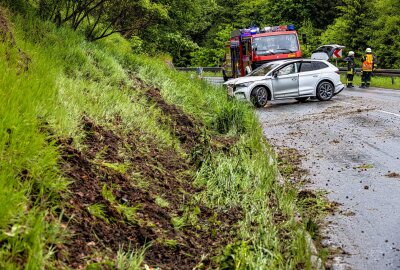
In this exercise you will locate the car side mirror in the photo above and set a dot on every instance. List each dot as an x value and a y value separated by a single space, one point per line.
275 74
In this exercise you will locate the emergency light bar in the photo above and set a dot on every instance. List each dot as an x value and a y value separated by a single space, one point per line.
279 28
248 32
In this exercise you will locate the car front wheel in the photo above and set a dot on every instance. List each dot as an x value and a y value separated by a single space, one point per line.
259 96
325 91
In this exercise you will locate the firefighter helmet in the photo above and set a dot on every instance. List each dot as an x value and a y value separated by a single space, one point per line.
368 50
351 53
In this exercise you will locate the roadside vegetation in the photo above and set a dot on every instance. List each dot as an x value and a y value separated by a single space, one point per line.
113 160
377 81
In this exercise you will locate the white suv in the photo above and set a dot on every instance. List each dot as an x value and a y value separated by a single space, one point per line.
299 79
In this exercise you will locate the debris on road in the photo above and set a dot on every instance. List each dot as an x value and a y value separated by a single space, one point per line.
392 175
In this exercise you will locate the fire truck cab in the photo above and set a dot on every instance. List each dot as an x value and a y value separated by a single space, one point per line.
253 47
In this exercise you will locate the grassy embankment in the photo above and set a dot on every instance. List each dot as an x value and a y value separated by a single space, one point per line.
97 169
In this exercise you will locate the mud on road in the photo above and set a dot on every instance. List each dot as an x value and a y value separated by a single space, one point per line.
351 149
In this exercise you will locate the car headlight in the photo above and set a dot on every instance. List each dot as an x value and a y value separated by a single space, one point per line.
240 95
246 84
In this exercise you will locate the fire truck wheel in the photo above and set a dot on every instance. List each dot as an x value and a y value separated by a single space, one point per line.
325 91
259 96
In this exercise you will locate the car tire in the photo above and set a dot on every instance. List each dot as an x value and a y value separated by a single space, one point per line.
259 96
302 99
325 91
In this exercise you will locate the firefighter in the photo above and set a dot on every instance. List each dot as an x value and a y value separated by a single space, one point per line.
351 67
368 65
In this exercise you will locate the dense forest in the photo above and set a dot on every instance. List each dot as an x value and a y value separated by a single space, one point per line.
194 31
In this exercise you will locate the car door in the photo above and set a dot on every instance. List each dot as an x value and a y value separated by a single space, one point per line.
307 78
285 82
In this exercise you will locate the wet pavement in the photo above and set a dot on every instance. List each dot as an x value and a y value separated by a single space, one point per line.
351 148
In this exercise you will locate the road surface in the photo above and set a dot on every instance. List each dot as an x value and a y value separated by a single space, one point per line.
352 150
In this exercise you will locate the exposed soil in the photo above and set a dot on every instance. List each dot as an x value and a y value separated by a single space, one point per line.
5 30
184 127
121 165
7 36
289 164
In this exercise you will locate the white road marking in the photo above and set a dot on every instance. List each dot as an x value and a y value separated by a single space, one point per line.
361 106
395 114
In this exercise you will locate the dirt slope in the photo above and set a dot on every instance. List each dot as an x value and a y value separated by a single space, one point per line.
137 172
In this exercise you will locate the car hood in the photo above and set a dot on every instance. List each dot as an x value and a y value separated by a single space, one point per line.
244 80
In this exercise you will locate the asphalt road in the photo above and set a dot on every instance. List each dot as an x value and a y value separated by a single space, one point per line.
350 144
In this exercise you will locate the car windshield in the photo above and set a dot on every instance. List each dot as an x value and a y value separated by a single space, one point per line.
263 70
275 44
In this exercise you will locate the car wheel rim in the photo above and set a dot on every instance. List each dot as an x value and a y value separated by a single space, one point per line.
325 90
261 96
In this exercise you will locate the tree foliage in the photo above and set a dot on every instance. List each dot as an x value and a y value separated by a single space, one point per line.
194 31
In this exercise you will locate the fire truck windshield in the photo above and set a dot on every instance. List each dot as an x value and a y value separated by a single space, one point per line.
275 44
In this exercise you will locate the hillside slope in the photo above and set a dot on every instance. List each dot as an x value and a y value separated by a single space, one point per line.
111 160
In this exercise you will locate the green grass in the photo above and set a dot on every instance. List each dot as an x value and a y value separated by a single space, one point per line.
162 202
69 77
127 211
376 81
131 260
97 210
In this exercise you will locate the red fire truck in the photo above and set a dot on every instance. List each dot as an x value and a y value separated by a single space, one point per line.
252 47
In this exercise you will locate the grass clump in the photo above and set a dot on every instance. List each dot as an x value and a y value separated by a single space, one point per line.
98 210
162 202
131 260
189 218
127 211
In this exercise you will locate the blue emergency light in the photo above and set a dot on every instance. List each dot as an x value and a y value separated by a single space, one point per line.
254 30
290 27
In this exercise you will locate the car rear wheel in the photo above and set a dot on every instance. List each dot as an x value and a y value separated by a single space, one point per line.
325 91
259 96
302 99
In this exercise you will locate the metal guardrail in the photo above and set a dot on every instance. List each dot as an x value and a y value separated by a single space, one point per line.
205 69
393 73
377 72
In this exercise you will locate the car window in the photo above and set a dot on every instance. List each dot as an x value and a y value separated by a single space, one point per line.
263 70
286 70
306 66
319 65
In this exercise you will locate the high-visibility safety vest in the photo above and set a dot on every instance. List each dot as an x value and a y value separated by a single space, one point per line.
368 62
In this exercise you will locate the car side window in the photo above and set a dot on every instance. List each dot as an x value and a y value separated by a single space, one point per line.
319 65
306 66
286 70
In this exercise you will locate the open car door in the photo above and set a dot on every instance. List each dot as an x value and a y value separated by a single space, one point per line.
326 51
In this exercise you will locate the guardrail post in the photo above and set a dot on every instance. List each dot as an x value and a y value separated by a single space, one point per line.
392 80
